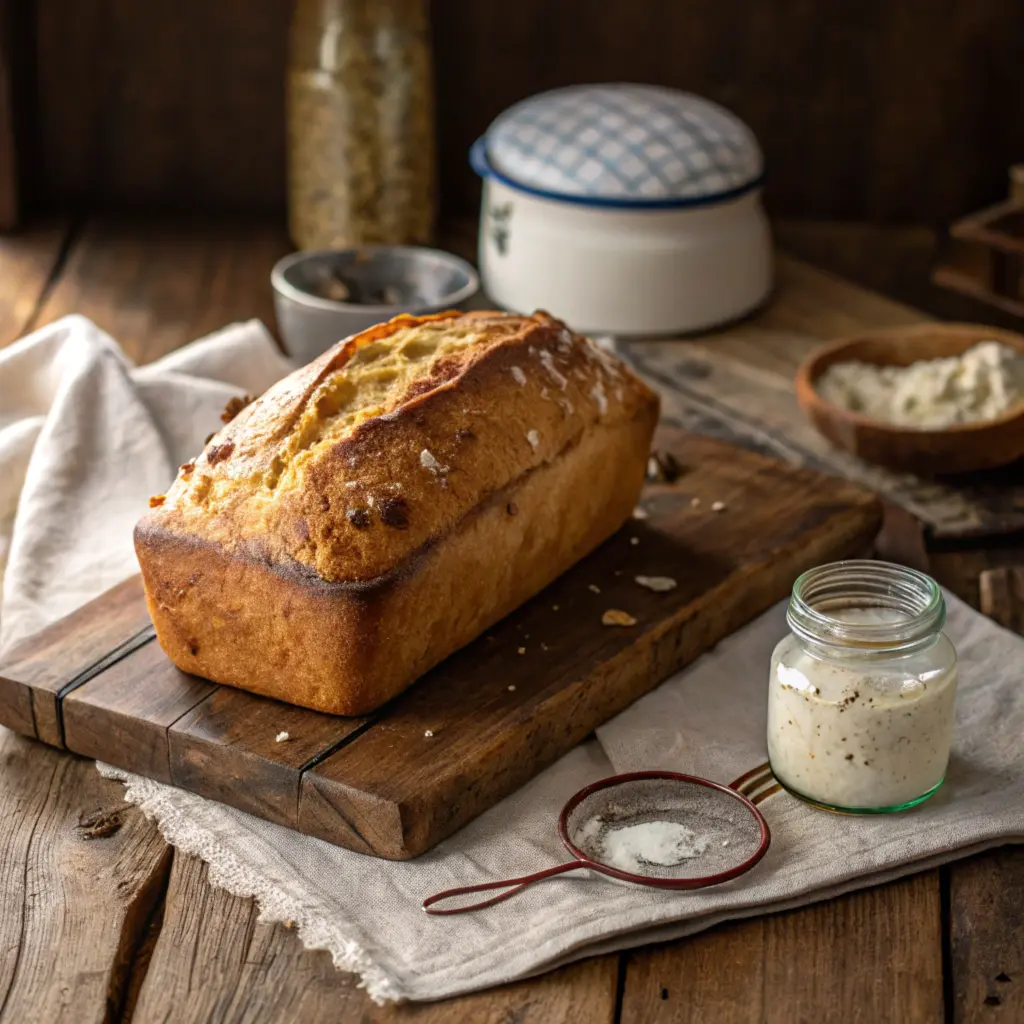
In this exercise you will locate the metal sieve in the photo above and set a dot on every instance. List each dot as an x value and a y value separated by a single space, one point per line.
659 829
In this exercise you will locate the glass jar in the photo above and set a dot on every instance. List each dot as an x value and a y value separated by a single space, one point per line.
862 691
360 123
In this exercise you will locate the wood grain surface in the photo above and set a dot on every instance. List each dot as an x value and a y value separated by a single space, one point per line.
896 261
27 261
986 900
79 872
157 285
179 104
15 61
490 717
736 974
724 968
986 894
1001 596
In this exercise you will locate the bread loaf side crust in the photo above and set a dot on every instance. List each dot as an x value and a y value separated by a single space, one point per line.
287 597
348 648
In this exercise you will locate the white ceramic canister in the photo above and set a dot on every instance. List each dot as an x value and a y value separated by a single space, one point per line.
623 209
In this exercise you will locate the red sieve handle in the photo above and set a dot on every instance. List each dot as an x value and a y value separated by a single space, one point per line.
510 885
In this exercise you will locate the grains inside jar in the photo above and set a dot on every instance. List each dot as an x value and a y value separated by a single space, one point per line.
360 124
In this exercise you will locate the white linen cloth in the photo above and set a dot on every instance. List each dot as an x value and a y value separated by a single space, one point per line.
85 439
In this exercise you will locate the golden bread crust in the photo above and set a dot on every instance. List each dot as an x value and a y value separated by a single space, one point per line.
321 548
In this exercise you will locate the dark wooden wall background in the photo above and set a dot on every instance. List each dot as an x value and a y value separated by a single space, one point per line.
887 110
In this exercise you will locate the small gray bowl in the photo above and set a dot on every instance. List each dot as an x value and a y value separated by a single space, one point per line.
367 285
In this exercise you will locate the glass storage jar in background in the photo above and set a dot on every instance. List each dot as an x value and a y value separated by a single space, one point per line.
360 123
862 692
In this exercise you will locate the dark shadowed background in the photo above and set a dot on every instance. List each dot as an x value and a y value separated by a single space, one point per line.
884 110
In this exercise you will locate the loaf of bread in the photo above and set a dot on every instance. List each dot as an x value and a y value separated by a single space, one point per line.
379 508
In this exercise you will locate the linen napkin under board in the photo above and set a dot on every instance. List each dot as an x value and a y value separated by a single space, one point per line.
81 430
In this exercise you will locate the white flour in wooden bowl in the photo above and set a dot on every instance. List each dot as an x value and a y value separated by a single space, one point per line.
982 384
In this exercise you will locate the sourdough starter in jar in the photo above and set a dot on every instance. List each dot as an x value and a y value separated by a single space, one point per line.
861 699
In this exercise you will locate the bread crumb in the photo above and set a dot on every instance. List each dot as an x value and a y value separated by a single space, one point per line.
533 437
639 513
596 589
725 842
543 647
427 461
615 617
282 737
522 650
554 607
428 734
718 506
634 541
695 503
288 924
659 584
512 688
518 376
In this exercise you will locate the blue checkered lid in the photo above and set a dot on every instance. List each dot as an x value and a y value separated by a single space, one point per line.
622 144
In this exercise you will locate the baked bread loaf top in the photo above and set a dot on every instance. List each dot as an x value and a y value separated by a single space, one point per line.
347 467
350 472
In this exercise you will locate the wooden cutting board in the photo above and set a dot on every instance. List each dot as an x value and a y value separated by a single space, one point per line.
490 717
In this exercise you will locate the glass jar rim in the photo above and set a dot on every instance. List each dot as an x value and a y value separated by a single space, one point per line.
866 583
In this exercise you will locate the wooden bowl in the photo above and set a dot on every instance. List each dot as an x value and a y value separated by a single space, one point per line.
960 449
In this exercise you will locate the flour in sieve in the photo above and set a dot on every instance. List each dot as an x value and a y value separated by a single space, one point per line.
636 848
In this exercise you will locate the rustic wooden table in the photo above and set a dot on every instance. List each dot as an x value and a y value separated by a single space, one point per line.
101 921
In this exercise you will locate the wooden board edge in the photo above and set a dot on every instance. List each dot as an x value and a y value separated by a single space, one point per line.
16 711
31 697
203 758
194 762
